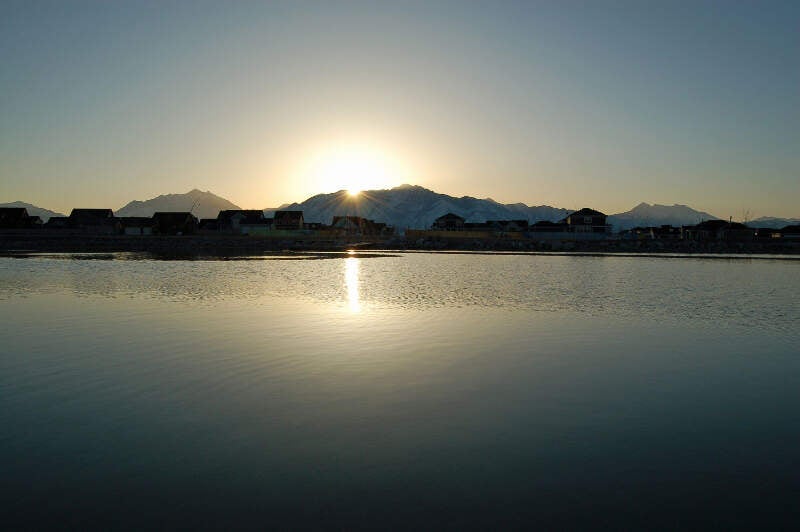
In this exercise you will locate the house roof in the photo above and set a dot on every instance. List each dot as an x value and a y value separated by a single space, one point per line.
173 217
254 219
716 225
586 211
99 214
13 213
226 215
290 217
450 216
289 213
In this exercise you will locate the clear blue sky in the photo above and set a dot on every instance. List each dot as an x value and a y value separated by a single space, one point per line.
572 104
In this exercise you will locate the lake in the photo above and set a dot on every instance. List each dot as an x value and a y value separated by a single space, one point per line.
399 390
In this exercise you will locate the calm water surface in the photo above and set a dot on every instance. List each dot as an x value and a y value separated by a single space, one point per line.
399 391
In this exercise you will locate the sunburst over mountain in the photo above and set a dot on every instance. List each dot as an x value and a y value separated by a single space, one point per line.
413 206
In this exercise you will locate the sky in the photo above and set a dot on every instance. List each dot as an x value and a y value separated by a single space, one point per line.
563 103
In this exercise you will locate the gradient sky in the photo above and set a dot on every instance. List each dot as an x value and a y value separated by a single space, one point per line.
571 104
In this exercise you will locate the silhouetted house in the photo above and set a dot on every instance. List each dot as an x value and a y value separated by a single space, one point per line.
448 222
517 225
174 223
381 229
17 218
57 222
666 232
718 230
736 232
347 224
766 234
587 221
356 225
228 221
663 232
476 226
507 226
255 225
136 225
94 221
372 228
791 232
545 226
208 225
288 220
313 226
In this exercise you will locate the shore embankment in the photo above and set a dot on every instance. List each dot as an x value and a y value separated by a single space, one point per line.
216 244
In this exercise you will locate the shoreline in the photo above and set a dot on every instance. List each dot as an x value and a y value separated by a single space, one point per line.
19 242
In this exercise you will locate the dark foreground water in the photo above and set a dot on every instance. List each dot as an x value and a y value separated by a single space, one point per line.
404 391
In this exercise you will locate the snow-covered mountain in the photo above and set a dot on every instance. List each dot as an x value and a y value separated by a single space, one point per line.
776 223
201 204
33 210
646 215
415 207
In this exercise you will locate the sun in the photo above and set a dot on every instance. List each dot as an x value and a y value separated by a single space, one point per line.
353 168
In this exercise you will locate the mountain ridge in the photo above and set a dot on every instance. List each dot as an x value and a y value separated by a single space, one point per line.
416 207
201 204
773 221
645 215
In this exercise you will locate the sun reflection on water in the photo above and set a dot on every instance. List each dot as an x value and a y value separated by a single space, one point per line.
351 282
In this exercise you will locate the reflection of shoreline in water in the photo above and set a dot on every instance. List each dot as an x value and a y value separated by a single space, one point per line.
127 256
322 255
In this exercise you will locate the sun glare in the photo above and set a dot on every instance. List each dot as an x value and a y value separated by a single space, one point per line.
354 168
351 283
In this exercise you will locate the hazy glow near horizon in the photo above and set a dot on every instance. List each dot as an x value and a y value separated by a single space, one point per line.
351 167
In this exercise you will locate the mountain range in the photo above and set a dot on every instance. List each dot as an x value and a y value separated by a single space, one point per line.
646 215
410 206
413 206
775 223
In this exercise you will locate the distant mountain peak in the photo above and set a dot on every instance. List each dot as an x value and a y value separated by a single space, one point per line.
646 215
201 204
